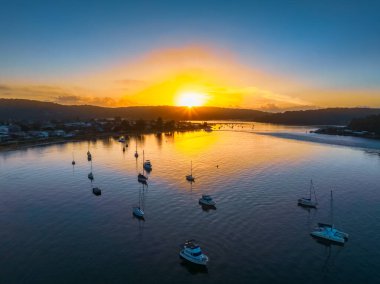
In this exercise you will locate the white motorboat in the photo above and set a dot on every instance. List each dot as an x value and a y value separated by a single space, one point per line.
206 200
138 212
309 202
328 232
193 253
190 177
122 139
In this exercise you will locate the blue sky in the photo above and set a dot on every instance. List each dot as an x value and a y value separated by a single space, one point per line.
330 44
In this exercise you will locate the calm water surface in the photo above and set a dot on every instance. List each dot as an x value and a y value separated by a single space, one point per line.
54 230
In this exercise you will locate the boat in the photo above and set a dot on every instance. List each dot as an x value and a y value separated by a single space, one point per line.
123 149
141 178
138 212
208 129
190 177
136 154
96 191
192 252
122 139
89 156
328 232
90 175
73 162
206 200
308 202
147 164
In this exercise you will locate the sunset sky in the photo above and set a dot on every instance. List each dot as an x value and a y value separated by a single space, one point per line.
267 55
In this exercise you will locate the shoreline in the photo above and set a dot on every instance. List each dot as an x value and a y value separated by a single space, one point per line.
20 145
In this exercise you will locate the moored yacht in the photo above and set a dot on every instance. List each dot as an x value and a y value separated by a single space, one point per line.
206 200
309 202
89 156
138 212
329 233
147 165
142 178
90 176
190 177
193 253
122 139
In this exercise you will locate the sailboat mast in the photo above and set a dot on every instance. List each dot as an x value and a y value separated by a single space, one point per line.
191 168
331 208
311 186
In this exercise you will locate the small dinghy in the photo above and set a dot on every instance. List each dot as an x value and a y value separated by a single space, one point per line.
138 212
192 252
309 202
73 162
96 191
89 156
206 200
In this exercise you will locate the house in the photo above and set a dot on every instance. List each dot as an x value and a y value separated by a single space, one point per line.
4 130
59 133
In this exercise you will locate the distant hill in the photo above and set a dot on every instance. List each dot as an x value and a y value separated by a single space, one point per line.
370 123
328 116
35 110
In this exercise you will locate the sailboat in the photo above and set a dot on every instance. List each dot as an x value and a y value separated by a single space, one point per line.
328 232
147 164
138 210
141 177
136 154
308 202
190 176
73 162
90 175
89 157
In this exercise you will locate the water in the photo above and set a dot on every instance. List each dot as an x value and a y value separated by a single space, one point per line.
54 230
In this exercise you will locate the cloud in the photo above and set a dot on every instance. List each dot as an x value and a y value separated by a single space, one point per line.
159 77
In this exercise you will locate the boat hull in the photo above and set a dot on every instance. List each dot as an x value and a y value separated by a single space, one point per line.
202 262
308 204
207 203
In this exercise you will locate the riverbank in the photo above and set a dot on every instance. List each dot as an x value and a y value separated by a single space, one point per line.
24 144
346 131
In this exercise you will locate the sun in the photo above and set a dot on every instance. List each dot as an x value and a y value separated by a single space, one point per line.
191 99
